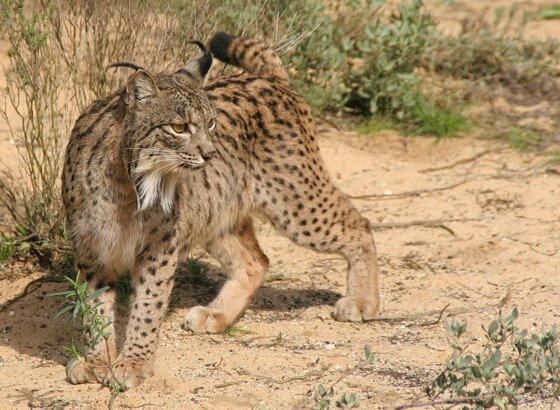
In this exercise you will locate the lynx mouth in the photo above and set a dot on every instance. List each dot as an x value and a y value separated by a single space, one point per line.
188 165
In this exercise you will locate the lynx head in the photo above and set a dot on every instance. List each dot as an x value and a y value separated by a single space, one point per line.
168 123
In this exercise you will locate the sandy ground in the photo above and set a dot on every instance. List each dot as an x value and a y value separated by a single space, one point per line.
499 245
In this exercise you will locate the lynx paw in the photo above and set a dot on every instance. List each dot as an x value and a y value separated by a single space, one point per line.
127 373
353 309
87 371
201 319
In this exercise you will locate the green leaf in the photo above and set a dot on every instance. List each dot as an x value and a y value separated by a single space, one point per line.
97 293
552 12
493 327
63 311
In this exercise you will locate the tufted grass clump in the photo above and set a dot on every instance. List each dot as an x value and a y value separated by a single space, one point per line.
432 117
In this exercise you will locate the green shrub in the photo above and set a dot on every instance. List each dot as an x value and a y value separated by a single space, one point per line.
510 369
362 61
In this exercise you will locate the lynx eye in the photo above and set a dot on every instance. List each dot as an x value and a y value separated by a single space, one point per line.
211 125
179 128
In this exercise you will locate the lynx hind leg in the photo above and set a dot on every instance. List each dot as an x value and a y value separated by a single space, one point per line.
317 215
240 254
94 366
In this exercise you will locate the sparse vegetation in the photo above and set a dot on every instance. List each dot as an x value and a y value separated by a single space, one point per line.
196 272
511 367
322 396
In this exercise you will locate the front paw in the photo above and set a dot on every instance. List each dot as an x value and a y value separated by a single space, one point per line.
201 319
127 373
353 309
83 370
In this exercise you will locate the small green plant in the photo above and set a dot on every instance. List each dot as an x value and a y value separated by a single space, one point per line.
196 272
374 125
80 303
551 12
85 312
348 402
322 396
512 367
6 247
431 118
522 139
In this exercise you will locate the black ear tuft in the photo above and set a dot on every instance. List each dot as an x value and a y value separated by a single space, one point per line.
205 61
125 64
197 69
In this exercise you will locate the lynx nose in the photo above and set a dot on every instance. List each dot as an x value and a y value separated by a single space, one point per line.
208 155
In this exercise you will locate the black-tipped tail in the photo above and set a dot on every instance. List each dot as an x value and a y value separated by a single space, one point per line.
219 46
252 55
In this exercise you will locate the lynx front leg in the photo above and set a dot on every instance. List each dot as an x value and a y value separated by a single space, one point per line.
94 366
153 282
246 264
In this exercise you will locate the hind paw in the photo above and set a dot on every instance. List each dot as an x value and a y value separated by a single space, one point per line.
354 309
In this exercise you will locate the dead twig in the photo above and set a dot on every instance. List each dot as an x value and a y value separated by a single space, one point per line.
461 161
222 385
315 374
27 290
435 322
530 245
407 194
428 223
440 312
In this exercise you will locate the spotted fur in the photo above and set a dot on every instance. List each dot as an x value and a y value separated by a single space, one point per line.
266 163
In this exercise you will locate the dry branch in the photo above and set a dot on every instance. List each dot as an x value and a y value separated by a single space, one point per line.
428 223
406 194
27 290
440 312
461 161
312 373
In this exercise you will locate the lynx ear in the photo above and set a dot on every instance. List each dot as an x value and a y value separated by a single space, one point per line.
141 87
197 69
